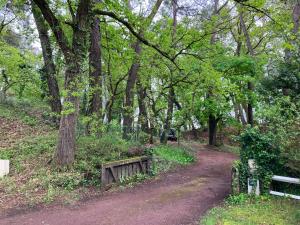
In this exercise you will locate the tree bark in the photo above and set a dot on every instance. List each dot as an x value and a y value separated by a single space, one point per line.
49 67
243 119
65 151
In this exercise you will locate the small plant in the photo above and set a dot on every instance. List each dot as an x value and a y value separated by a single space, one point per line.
237 199
130 181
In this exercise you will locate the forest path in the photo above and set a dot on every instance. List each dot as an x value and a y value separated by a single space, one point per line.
176 198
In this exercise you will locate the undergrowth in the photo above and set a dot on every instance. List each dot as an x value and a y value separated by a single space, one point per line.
33 179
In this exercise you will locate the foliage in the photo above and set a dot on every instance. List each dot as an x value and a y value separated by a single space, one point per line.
281 117
264 149
245 210
18 73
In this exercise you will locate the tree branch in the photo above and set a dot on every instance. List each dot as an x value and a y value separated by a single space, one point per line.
136 34
242 2
71 11
55 26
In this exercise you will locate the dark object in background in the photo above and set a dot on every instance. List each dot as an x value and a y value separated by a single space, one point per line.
172 135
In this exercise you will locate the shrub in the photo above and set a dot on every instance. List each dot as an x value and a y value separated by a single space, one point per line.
264 149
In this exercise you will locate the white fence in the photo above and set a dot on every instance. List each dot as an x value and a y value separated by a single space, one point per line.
286 180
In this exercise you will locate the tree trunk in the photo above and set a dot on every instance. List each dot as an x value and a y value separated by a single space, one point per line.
49 67
133 74
243 119
250 84
212 121
212 130
167 125
143 118
67 130
95 68
128 105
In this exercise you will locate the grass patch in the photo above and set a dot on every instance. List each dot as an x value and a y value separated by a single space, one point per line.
174 154
165 157
263 210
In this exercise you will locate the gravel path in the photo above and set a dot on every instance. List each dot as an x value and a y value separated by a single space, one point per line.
179 197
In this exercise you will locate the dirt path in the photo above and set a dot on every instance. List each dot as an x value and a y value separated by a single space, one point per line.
180 197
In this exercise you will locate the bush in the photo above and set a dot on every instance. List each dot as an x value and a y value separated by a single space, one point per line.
264 149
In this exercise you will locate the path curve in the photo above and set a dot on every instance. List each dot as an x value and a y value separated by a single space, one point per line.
177 198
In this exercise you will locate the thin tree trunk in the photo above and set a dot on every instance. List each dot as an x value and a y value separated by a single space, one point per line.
49 67
171 94
212 120
212 123
243 119
143 118
250 84
128 105
133 74
167 126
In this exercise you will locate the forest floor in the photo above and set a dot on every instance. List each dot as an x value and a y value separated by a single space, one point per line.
178 197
